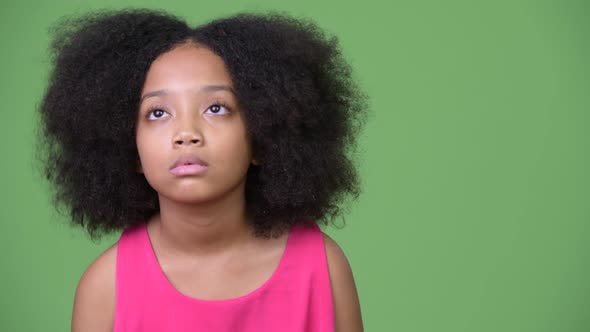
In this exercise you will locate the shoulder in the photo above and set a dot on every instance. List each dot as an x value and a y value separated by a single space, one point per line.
94 302
346 302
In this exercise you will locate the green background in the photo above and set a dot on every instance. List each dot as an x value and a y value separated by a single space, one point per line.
475 163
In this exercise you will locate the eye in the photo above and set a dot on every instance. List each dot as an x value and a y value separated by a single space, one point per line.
156 113
218 108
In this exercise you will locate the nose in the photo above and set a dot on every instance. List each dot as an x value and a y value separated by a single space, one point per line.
187 138
188 128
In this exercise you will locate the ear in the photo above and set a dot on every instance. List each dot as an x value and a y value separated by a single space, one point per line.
255 162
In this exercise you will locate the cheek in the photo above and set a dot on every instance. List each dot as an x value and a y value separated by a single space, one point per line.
234 148
141 146
148 149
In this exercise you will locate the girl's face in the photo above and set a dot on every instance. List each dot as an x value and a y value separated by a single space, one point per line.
188 111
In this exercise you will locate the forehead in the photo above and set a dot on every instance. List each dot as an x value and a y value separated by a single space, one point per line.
186 67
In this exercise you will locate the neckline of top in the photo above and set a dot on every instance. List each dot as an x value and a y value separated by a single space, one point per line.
163 279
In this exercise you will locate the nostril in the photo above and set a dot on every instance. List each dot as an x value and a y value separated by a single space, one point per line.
181 141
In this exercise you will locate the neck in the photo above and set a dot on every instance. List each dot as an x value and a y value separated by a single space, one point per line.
207 228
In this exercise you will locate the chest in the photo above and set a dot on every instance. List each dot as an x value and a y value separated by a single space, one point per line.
222 278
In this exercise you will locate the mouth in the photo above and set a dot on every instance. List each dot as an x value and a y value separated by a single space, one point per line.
188 164
191 169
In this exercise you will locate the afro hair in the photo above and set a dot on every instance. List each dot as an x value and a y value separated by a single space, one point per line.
302 107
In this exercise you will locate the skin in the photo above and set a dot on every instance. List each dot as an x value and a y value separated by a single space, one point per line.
202 229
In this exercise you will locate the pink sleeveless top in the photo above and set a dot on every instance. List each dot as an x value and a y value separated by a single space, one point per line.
297 297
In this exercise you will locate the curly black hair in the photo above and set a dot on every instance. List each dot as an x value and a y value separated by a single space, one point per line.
303 110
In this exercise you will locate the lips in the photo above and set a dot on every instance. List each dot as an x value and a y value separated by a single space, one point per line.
188 165
188 159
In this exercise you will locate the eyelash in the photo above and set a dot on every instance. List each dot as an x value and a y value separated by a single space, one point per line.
156 107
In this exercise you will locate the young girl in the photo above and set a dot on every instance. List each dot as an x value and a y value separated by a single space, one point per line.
216 151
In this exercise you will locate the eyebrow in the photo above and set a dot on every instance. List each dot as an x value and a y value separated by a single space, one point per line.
206 88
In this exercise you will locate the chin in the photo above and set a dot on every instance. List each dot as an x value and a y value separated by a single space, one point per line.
196 191
191 195
187 196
